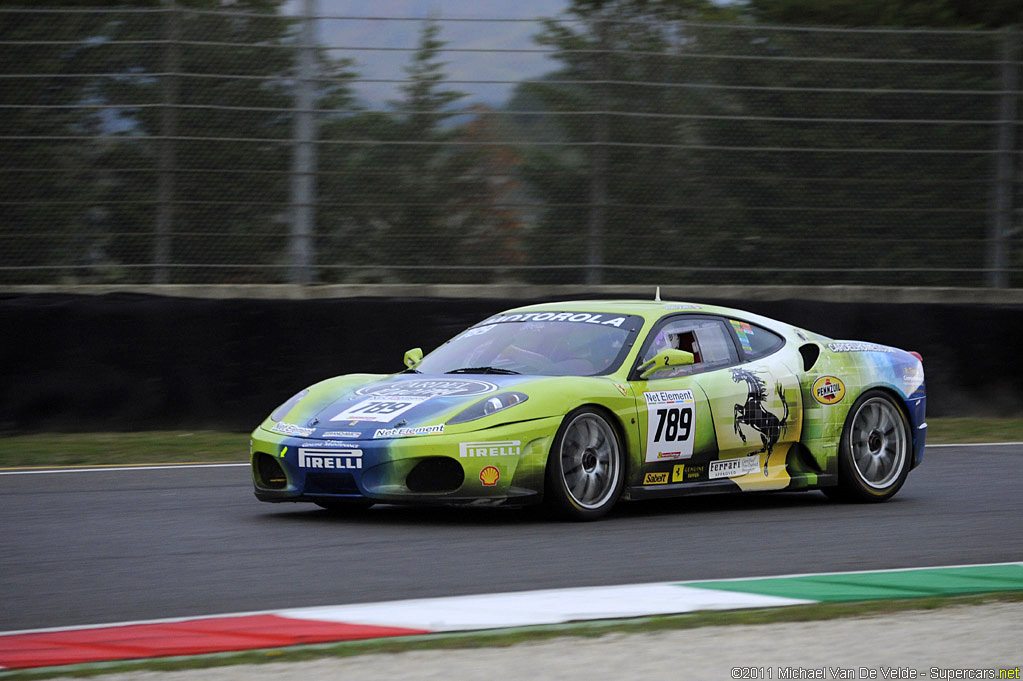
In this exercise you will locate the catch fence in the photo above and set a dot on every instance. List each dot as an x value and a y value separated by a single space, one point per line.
188 144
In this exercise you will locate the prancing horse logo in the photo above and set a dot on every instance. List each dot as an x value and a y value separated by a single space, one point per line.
753 414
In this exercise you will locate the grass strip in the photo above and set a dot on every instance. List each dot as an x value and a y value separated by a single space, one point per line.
89 449
511 637
952 430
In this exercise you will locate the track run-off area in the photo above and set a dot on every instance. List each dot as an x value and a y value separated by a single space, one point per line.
123 544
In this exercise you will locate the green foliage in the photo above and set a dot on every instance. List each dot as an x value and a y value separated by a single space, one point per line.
734 149
403 187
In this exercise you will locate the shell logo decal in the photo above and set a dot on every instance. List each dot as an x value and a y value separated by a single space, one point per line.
489 476
828 390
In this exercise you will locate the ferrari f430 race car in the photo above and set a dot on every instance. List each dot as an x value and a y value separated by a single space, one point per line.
581 404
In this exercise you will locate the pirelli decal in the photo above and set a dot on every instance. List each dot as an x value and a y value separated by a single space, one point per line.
337 459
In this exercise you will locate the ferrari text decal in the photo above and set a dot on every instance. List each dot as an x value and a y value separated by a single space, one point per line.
473 449
405 432
671 424
379 409
856 346
340 459
583 317
730 468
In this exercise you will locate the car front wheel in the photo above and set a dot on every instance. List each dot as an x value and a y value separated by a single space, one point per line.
585 469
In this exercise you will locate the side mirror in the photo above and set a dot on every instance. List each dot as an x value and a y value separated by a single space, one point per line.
668 357
413 357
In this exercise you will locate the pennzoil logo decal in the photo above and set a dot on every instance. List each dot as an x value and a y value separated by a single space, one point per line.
828 390
656 478
489 476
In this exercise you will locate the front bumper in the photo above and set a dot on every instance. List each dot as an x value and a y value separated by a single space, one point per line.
501 464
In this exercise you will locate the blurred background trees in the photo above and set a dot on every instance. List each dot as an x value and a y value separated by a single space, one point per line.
672 141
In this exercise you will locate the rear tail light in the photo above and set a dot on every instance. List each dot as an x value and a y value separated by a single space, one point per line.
917 355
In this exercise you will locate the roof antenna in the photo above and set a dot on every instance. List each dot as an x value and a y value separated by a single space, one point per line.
657 295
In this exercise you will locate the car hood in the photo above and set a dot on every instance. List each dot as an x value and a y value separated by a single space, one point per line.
364 406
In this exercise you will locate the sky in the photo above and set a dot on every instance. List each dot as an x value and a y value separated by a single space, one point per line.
352 32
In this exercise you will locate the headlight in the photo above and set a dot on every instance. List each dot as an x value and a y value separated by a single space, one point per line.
490 405
282 411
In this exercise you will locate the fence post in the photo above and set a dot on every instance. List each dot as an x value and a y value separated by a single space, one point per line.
303 171
166 160
1001 219
598 168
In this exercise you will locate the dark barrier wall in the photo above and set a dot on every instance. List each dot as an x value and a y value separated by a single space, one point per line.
127 361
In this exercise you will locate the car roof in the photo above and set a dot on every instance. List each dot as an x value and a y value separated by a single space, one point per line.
652 310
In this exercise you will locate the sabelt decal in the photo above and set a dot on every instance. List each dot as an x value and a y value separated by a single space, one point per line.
489 476
731 468
379 409
671 424
337 459
856 346
474 449
656 478
291 429
828 390
579 317
408 432
426 388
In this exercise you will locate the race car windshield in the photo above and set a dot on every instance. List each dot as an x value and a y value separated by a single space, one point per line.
540 344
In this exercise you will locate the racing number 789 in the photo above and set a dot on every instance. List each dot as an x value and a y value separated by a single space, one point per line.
674 423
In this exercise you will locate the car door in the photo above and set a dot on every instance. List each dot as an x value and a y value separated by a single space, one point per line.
757 411
675 421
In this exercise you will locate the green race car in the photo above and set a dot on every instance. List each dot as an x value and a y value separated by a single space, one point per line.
581 404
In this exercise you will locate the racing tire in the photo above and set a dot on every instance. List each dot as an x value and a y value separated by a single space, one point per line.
875 452
342 507
586 468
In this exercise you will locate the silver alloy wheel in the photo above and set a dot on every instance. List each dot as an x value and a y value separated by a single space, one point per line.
589 461
878 441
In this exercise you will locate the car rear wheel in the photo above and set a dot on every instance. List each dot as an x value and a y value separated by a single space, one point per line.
873 457
585 469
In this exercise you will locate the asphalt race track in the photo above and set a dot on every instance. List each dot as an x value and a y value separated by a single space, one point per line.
83 548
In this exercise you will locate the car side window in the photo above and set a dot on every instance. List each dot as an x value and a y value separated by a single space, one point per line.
756 341
707 339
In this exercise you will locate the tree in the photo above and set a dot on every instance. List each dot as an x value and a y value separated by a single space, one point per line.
402 179
223 76
623 167
47 185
